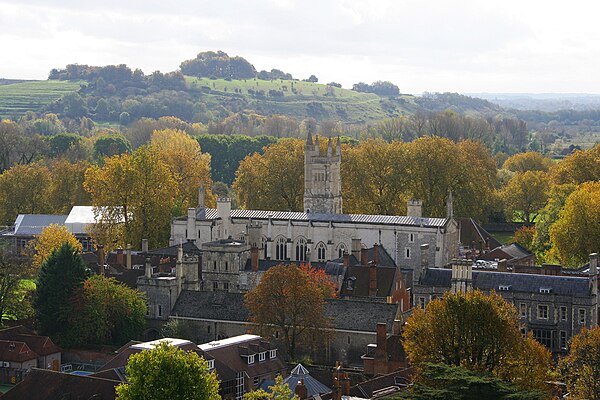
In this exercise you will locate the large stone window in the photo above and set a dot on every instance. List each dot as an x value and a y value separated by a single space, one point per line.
280 248
321 252
300 249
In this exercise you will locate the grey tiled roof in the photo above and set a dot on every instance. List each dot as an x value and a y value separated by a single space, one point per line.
527 283
32 224
345 314
313 386
211 214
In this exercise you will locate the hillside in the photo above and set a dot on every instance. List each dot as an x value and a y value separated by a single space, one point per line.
18 97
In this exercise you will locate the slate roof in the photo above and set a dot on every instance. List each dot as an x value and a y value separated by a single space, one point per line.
189 248
353 315
32 224
211 214
43 384
313 386
527 283
264 265
360 275
514 252
473 233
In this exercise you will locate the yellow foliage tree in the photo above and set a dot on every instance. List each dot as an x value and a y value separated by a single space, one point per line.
66 187
52 238
581 367
526 194
23 190
579 167
274 180
189 167
133 195
576 233
478 332
530 161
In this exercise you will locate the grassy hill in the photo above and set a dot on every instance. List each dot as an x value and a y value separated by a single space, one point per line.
18 97
301 99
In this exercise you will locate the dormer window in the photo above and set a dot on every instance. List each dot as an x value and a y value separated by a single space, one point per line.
262 356
250 360
211 364
504 288
272 353
545 290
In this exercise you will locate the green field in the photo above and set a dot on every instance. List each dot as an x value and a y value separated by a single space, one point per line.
18 98
303 98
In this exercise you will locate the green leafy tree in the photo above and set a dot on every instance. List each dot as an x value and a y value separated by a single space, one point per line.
111 145
62 143
106 312
279 391
581 367
478 332
168 372
15 302
444 382
60 276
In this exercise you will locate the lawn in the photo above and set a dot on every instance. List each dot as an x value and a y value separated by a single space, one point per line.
18 98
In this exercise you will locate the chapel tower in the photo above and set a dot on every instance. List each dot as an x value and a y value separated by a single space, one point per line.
322 177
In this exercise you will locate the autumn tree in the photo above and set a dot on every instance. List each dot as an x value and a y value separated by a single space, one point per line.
274 180
576 233
478 332
24 191
525 194
168 372
289 301
278 391
579 167
530 161
51 239
133 196
58 279
524 236
374 177
189 167
581 367
106 312
66 187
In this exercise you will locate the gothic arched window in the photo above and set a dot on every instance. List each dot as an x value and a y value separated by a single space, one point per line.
321 251
300 249
280 249
341 250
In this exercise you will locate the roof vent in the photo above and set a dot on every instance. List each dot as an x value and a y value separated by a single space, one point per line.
504 288
545 290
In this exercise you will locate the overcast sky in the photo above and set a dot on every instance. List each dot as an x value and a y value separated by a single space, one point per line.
459 45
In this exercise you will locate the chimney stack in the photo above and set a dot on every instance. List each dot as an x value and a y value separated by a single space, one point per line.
128 256
373 280
381 350
364 257
144 245
254 259
201 196
120 258
191 225
301 390
414 208
503 265
346 258
594 264
148 268
101 260
376 253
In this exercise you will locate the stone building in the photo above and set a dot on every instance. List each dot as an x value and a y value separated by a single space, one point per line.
553 306
321 232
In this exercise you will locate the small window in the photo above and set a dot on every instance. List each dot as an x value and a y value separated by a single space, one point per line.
422 303
215 285
407 252
504 288
272 353
226 266
581 316
256 380
542 311
545 290
563 340
211 364
225 285
262 356
411 238
348 339
563 313
160 310
523 310
215 265
208 329
250 360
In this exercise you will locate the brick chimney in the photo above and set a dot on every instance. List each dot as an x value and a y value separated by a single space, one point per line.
364 257
503 265
101 260
381 356
376 253
120 257
346 258
144 245
254 259
301 390
372 280
345 384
